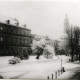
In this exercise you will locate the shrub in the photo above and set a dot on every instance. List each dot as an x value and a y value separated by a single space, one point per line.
48 55
1 77
48 52
14 60
23 56
26 56
20 56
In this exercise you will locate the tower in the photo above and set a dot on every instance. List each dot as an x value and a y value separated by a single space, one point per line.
66 23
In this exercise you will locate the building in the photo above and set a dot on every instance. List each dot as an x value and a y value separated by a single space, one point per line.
14 39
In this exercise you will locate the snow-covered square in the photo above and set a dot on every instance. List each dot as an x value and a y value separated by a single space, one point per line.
35 69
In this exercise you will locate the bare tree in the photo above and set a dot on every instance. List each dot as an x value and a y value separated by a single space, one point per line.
76 41
72 41
69 39
56 47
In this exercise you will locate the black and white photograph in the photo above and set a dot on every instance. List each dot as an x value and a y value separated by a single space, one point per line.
40 39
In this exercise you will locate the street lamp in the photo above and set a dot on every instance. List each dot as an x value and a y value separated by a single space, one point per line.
61 65
62 68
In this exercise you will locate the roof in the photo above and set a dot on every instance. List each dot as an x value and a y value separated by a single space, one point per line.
14 26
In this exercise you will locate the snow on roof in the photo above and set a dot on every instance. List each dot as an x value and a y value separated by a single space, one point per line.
13 21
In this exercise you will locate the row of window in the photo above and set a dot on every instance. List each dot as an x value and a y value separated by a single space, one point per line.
12 50
15 40
14 31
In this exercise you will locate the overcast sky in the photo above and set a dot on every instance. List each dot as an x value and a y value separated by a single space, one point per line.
43 17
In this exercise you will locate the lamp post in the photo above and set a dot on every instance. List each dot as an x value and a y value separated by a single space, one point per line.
79 47
61 65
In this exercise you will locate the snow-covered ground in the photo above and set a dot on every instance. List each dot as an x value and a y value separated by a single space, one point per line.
72 71
33 68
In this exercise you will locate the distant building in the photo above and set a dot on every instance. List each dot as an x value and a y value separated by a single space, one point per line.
14 39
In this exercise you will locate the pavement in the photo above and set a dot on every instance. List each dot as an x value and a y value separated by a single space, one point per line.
72 72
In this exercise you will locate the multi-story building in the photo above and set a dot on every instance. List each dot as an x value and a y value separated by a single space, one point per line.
14 39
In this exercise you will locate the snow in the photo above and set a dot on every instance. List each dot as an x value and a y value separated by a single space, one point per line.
41 42
33 68
71 69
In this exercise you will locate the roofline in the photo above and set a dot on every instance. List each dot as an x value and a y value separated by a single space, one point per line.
14 26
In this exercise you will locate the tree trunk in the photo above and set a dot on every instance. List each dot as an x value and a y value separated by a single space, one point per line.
38 56
72 58
39 53
76 57
79 57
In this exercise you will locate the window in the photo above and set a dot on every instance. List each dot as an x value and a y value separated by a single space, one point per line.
24 41
1 28
15 31
16 40
27 40
24 32
10 39
12 31
13 40
20 50
7 39
30 40
20 40
1 39
18 31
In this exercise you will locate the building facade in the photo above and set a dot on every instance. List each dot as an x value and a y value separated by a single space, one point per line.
14 40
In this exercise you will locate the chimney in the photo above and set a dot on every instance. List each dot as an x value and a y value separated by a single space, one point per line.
8 21
17 23
24 25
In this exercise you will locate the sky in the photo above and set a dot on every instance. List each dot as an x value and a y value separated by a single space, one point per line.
43 17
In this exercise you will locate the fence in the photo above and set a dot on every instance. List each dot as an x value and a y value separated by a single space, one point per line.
56 74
